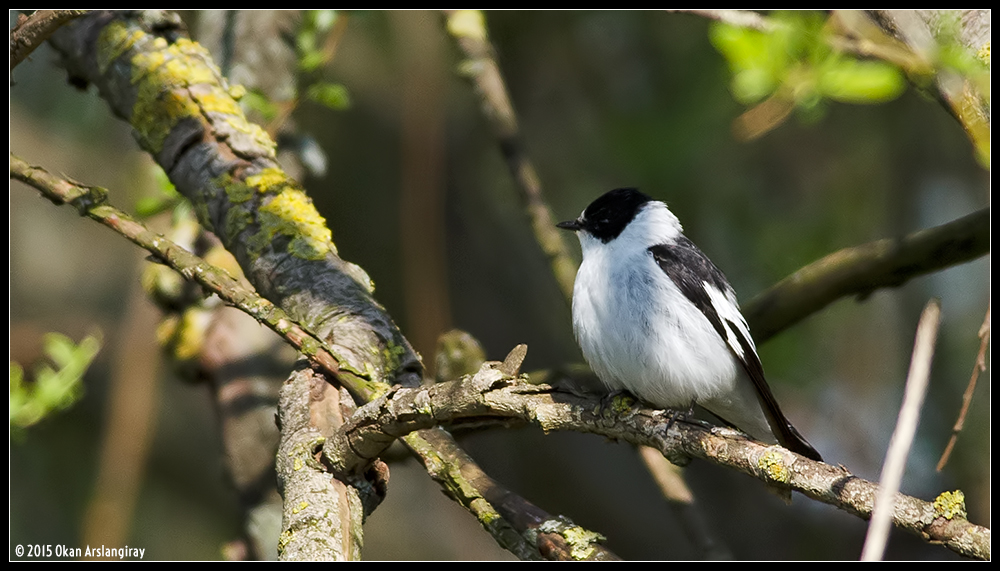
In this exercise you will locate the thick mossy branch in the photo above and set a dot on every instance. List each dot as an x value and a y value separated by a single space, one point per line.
314 526
185 114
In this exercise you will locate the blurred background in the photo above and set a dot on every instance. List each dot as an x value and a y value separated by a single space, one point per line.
416 192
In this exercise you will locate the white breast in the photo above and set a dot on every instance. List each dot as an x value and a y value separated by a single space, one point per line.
638 332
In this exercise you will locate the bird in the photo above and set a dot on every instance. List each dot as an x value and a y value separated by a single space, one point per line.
655 317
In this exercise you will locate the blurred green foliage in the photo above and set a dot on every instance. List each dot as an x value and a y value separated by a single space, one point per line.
52 388
165 196
310 38
796 60
332 95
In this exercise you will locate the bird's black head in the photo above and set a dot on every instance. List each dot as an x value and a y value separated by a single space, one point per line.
607 216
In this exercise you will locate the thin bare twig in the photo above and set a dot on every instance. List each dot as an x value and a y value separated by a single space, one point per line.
90 202
738 18
902 436
979 367
469 31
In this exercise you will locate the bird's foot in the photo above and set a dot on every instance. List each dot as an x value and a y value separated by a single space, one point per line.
683 415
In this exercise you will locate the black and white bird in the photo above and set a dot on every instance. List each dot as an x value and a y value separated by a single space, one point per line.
655 317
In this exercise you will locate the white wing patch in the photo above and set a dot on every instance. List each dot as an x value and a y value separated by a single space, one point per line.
729 313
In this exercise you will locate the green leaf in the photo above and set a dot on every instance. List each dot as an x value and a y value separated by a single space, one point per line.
796 62
332 95
257 101
753 85
53 388
166 198
862 82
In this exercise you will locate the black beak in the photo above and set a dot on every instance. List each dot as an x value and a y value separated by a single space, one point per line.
573 225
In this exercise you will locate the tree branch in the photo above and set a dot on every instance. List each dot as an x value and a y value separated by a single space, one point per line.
31 31
491 393
183 113
314 526
860 270
469 31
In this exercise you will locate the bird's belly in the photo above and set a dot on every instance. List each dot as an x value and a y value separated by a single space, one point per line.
657 346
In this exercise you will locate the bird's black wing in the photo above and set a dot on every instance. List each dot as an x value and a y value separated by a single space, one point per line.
696 276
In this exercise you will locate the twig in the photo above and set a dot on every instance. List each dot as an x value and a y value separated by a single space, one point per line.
860 270
902 436
738 18
469 31
90 202
31 31
980 366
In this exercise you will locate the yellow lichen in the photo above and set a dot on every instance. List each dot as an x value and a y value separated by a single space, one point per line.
773 464
581 541
950 504
984 53
488 517
284 539
115 39
162 73
155 114
269 179
291 213
237 91
217 100
288 212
